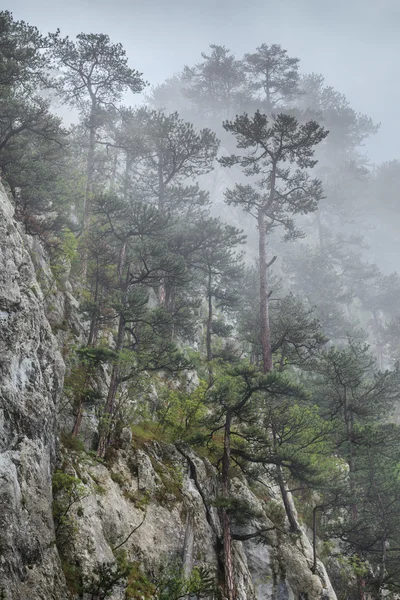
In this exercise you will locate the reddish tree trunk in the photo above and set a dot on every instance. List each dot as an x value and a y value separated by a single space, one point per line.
226 524
264 301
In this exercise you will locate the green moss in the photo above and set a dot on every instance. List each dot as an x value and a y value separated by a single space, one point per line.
139 498
73 577
276 513
35 290
172 480
118 478
71 442
144 433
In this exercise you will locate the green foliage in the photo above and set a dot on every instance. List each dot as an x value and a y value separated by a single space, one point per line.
167 583
180 413
141 499
239 509
172 584
73 576
68 490
216 86
144 432
93 63
94 357
273 73
139 586
32 139
275 512
155 272
71 443
118 478
65 255
354 563
173 151
101 583
171 477
327 549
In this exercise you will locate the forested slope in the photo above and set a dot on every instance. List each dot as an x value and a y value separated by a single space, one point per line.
203 270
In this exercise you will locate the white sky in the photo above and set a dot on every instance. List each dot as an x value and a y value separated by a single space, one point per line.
355 44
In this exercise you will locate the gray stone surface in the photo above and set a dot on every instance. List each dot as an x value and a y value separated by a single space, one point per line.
170 489
183 523
31 377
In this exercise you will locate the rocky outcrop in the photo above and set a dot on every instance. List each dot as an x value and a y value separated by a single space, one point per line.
31 376
155 501
158 502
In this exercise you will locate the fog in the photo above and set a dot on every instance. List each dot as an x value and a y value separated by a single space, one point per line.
209 193
353 43
345 82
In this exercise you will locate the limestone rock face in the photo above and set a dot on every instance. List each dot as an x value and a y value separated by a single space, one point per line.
155 501
31 377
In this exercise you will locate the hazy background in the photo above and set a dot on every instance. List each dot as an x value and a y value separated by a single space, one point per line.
355 44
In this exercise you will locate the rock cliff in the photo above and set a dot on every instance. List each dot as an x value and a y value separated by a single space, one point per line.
31 379
151 500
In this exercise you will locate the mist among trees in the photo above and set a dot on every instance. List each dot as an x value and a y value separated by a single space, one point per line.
230 224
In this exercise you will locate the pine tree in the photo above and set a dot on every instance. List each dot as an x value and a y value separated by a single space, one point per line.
271 71
278 192
355 397
212 251
33 143
137 232
216 86
173 153
94 74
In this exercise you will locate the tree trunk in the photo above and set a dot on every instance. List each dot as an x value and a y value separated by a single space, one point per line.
113 175
90 167
108 412
378 338
294 527
315 510
264 300
226 523
314 539
162 295
161 184
89 182
349 421
91 342
128 165
268 93
95 316
209 318
319 224
266 347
